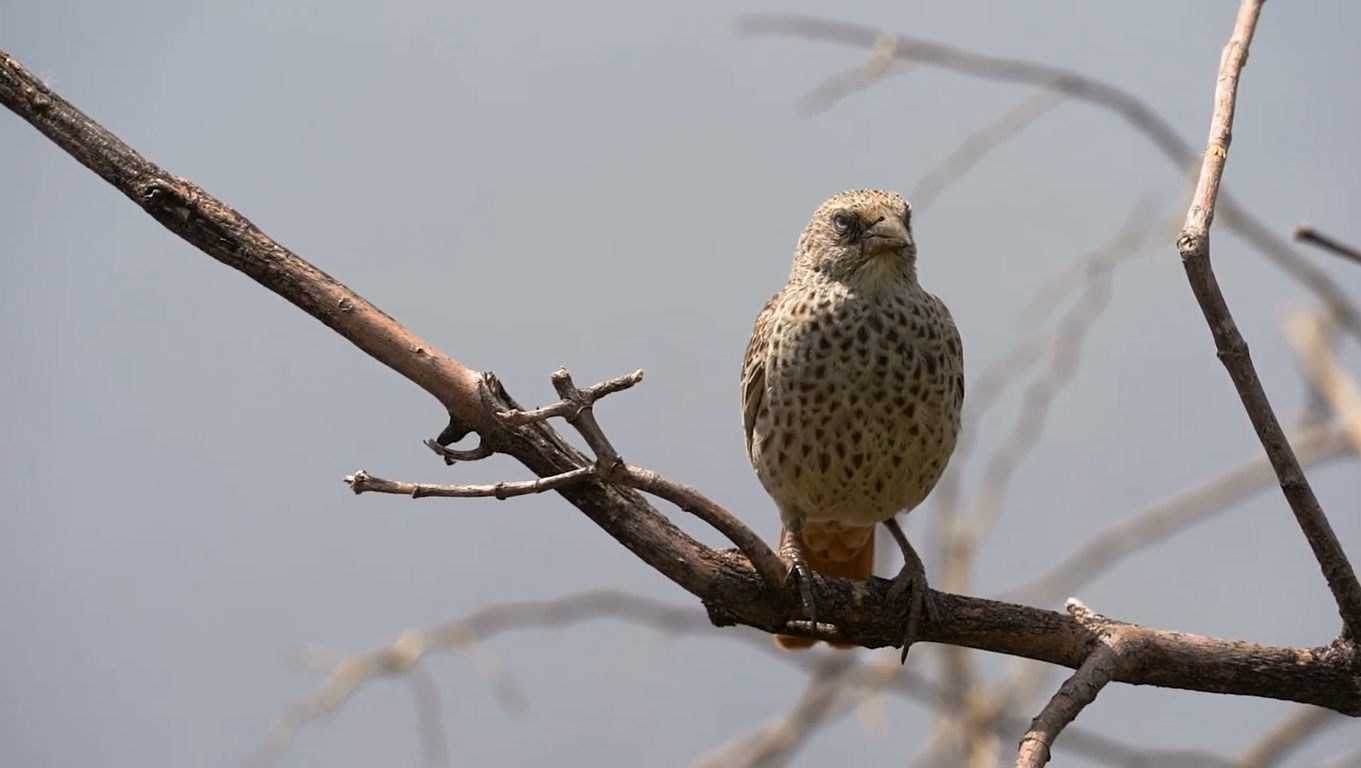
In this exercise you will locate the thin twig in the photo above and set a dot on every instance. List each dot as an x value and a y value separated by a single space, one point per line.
576 408
1304 233
363 482
763 558
1194 247
570 407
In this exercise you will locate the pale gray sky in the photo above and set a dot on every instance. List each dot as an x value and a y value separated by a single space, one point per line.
604 185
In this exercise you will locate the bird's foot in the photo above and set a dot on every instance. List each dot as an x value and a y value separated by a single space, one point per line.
792 553
912 577
920 600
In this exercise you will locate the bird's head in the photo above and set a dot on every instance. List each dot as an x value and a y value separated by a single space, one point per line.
862 237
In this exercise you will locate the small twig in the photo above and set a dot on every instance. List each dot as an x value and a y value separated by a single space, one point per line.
772 569
1304 233
581 413
576 407
363 482
452 456
1289 734
1077 691
572 403
1194 248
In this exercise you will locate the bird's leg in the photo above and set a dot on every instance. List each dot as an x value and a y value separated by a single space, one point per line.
791 550
913 576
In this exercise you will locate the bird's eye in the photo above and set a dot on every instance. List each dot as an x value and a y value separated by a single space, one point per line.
907 214
842 222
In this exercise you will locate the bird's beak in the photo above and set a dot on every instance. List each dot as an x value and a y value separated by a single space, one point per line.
887 234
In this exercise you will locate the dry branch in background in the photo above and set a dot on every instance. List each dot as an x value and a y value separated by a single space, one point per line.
747 589
1309 333
1194 247
1075 85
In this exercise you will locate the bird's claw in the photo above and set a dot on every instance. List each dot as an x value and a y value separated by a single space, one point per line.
803 575
920 599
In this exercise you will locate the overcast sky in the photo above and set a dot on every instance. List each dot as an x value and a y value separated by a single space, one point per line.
606 185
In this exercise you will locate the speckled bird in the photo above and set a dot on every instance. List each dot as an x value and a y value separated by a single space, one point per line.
852 388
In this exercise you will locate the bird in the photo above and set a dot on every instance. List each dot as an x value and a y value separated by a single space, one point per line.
852 389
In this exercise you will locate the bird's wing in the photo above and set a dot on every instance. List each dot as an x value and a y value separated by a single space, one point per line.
754 369
957 342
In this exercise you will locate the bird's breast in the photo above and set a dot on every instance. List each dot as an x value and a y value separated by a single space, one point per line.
861 412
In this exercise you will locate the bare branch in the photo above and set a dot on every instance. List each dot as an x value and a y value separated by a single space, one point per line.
1194 247
1304 233
1080 689
769 565
1138 114
731 589
363 482
577 400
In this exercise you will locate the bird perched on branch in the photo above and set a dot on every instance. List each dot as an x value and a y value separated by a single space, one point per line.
852 388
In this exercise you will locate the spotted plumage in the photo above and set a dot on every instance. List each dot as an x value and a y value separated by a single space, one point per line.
851 388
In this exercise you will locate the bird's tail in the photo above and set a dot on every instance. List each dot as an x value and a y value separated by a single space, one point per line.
859 565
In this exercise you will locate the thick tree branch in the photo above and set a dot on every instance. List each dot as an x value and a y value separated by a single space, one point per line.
731 590
1194 247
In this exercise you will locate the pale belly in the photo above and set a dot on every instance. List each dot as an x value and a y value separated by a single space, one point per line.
861 417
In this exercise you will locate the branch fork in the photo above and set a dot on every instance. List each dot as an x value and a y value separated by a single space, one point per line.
1115 646
576 407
